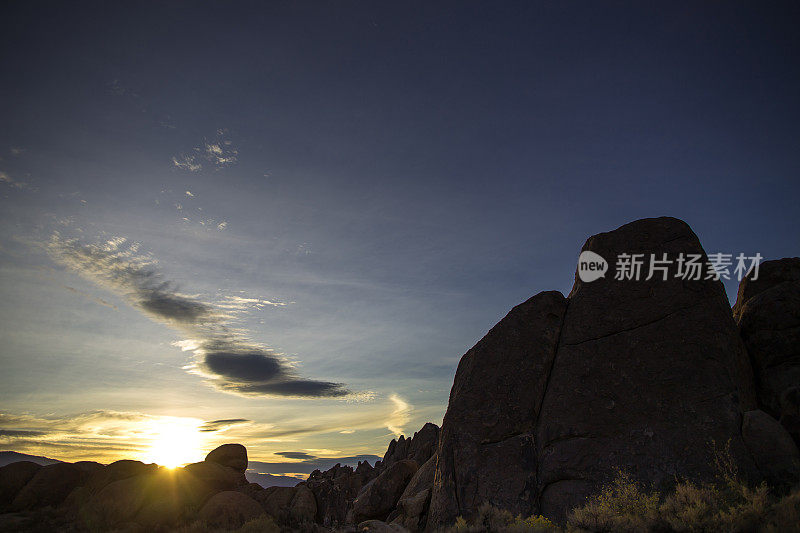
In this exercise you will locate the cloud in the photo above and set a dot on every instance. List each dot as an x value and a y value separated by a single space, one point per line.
19 433
299 388
173 306
219 152
296 455
229 360
91 297
400 416
187 162
5 178
222 425
241 303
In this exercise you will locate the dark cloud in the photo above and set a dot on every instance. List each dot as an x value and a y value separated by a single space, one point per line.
216 425
231 362
296 455
244 367
174 307
301 388
20 433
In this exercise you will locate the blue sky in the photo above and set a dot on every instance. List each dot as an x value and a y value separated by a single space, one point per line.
344 197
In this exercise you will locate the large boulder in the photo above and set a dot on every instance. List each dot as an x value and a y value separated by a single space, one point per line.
229 510
421 480
161 499
118 502
768 313
13 477
423 443
486 449
412 507
99 478
379 497
303 508
230 455
647 375
334 492
50 486
277 502
215 475
418 448
773 450
643 375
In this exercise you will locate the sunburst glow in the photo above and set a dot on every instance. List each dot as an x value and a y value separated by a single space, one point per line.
175 442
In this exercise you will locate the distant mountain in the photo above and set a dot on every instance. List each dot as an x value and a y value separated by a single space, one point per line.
270 480
13 457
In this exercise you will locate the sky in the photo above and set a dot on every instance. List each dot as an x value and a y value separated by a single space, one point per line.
283 223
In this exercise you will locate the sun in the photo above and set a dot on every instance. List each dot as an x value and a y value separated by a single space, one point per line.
174 442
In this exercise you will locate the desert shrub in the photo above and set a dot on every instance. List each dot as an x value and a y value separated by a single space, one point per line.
531 524
692 507
492 519
729 505
622 505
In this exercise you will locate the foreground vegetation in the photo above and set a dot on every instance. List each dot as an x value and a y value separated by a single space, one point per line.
624 505
729 505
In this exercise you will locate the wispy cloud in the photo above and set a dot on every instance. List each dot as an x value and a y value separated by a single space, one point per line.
91 297
218 152
5 178
400 416
187 162
222 425
225 356
238 304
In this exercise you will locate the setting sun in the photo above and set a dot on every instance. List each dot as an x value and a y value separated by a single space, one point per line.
175 442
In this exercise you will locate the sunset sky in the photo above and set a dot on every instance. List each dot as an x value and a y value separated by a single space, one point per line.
283 223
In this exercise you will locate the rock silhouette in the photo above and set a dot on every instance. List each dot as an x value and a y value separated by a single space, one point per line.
767 311
623 374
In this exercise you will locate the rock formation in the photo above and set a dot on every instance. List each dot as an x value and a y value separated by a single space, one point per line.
229 510
337 490
637 375
768 313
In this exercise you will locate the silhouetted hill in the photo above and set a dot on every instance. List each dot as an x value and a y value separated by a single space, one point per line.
8 457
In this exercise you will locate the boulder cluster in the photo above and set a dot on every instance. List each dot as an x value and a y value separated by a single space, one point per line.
131 494
656 377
